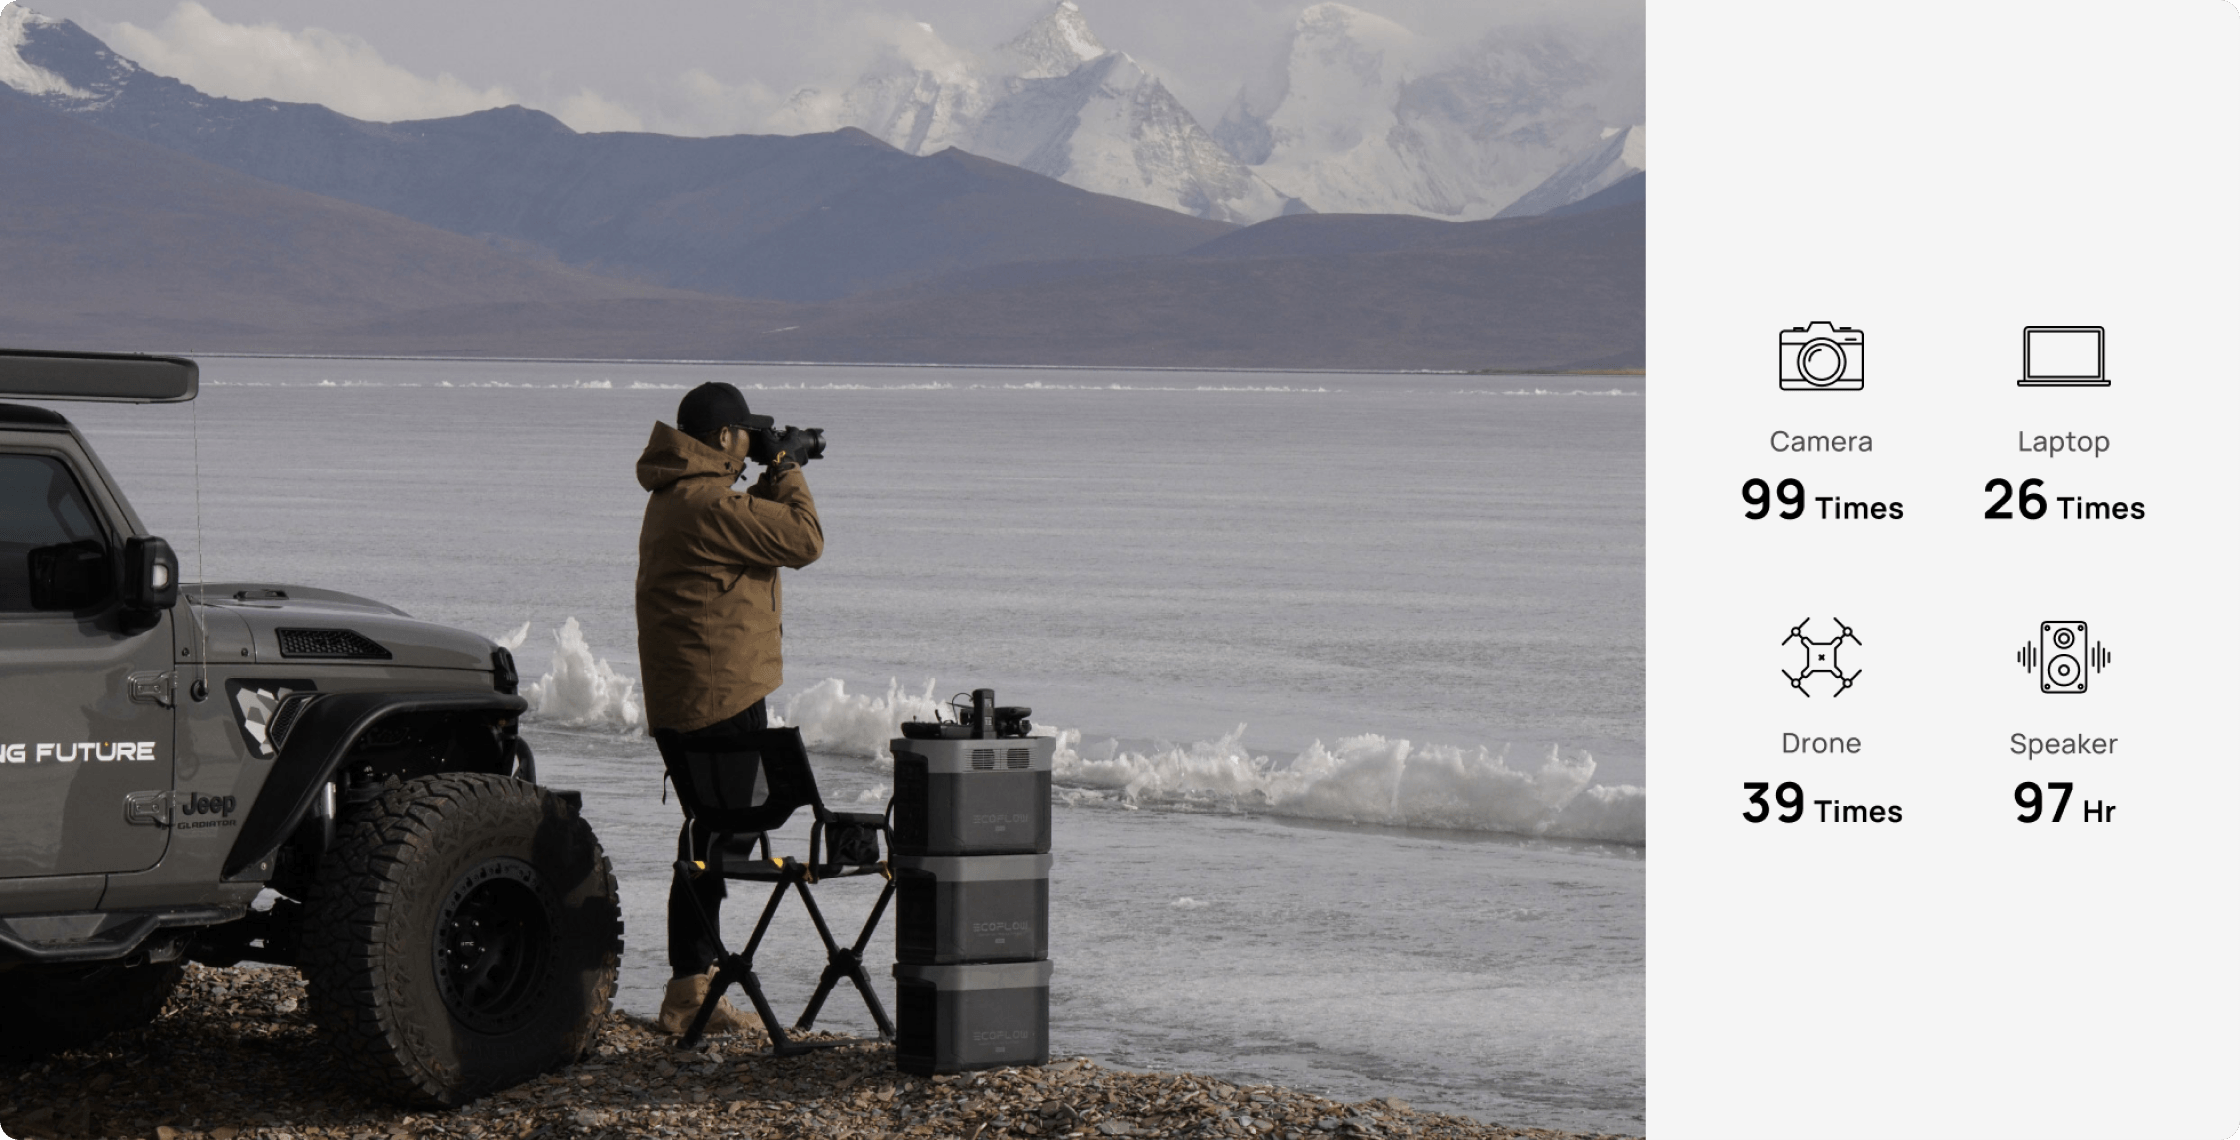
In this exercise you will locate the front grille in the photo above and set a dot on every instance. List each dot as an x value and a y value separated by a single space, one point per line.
1018 757
983 759
347 643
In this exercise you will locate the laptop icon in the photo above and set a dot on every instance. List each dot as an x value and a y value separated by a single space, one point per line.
2064 356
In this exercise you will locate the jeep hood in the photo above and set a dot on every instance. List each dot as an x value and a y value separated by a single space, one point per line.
325 627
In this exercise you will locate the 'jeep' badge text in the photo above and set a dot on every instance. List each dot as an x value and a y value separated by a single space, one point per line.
192 805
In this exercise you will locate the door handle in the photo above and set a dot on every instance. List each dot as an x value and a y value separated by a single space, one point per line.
153 688
152 808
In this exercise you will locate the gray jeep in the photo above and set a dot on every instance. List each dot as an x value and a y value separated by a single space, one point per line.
236 772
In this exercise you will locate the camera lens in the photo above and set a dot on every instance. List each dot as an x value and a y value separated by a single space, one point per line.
1821 361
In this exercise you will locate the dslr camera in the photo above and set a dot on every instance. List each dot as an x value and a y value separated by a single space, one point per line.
799 444
1823 358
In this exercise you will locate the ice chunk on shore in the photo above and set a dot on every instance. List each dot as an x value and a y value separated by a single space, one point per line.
581 691
835 721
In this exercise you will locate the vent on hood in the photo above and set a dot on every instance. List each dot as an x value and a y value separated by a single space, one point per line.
330 643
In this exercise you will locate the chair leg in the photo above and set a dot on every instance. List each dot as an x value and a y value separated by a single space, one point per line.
840 962
863 980
739 968
831 956
780 1045
733 968
716 986
762 924
845 963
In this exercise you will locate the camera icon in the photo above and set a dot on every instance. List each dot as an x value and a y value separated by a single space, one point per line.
1823 358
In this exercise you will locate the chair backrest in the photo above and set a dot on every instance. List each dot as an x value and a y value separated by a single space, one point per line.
740 781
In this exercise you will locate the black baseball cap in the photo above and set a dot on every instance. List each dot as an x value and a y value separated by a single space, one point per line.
716 405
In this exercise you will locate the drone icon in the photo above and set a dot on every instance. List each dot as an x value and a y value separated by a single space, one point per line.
1820 657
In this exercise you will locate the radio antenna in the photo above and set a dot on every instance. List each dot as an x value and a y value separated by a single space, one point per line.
201 687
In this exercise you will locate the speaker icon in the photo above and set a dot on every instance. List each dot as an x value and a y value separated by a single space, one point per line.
2064 657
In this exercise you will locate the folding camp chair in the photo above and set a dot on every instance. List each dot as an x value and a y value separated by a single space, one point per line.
739 786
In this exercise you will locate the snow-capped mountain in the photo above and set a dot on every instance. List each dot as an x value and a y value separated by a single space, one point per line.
1368 117
66 68
1055 101
17 25
1620 156
1373 118
1057 44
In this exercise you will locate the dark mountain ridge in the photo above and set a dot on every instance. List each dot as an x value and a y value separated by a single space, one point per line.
1542 293
113 242
806 217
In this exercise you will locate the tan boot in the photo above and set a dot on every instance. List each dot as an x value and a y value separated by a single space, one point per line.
682 1001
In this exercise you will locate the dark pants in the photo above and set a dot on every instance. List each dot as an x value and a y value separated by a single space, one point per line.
691 949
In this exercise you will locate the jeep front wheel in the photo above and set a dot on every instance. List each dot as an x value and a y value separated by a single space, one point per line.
463 936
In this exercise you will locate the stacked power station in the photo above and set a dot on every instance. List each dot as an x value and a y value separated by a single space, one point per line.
971 863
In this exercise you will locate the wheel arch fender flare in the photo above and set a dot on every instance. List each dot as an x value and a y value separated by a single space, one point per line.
316 746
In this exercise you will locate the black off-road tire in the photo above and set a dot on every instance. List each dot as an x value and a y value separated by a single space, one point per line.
462 937
47 1011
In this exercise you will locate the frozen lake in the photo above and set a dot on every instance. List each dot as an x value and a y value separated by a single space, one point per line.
1349 667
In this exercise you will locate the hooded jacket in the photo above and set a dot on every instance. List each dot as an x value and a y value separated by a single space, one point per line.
708 559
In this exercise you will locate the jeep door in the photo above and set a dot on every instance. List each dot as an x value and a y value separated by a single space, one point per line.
86 731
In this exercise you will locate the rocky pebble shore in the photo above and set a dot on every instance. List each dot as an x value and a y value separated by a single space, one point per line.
233 1058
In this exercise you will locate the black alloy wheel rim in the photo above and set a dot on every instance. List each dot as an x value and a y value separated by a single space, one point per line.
493 946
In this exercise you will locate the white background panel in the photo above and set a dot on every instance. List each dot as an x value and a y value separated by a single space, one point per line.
1941 177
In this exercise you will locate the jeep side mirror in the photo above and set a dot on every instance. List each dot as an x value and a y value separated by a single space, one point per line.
68 575
151 574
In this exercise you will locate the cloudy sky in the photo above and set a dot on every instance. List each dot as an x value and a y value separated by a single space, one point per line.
708 66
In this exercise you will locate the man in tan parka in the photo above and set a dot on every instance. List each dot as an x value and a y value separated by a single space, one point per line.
709 620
